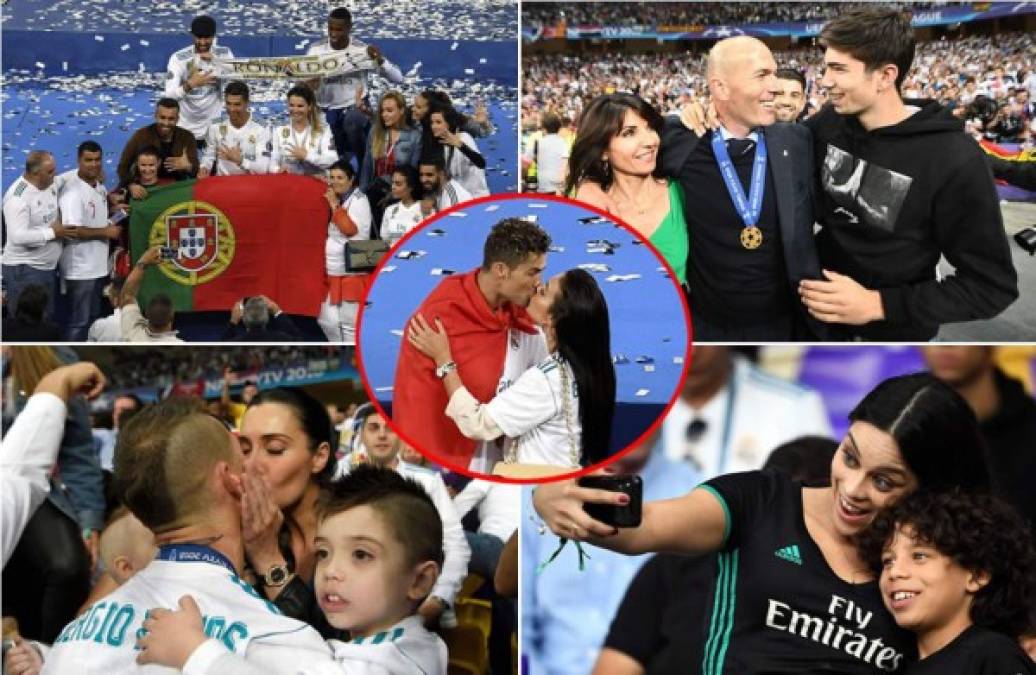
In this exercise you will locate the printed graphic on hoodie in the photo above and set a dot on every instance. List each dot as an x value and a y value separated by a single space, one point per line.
863 190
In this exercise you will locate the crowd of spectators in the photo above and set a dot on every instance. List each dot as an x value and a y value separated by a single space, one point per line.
161 367
989 81
692 13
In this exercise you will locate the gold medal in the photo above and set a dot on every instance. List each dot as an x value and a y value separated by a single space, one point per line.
751 237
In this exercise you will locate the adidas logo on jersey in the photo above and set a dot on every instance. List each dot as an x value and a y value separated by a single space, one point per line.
789 553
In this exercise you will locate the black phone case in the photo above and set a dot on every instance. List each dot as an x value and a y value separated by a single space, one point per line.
616 516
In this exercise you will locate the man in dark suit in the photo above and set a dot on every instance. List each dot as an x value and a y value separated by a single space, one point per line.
751 237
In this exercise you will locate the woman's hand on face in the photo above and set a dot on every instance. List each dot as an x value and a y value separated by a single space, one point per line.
448 138
261 521
433 343
332 198
560 505
170 637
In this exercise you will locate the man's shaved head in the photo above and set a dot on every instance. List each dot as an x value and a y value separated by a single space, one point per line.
742 83
728 54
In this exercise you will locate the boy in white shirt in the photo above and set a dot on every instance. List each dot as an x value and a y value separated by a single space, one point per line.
379 551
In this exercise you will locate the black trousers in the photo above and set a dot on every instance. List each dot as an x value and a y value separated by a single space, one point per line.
48 576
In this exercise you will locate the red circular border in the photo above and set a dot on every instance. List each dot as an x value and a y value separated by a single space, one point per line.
527 196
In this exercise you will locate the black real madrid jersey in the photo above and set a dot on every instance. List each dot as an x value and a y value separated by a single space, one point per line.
776 605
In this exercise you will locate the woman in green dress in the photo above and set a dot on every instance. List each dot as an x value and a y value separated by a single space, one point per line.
614 166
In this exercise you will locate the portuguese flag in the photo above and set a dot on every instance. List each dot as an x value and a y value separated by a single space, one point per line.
233 237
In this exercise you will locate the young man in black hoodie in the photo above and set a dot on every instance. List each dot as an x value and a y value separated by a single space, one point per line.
899 185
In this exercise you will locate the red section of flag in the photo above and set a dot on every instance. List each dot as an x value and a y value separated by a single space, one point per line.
999 150
478 342
280 228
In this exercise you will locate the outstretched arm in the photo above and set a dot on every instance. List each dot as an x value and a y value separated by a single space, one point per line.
694 523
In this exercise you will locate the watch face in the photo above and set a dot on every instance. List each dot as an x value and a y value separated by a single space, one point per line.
277 575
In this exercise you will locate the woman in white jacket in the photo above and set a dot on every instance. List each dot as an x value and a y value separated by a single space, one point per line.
464 163
304 145
350 221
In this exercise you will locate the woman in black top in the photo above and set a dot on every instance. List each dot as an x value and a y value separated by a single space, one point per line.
792 594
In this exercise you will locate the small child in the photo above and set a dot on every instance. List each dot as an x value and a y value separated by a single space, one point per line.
126 548
379 551
126 545
958 571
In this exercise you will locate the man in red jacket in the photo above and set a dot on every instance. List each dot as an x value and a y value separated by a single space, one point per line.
492 338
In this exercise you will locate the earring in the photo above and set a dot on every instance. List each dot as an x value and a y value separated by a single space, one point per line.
606 168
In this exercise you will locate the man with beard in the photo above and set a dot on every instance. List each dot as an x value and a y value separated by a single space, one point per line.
438 187
380 446
492 338
899 187
177 149
790 101
747 188
191 78
84 261
239 143
341 96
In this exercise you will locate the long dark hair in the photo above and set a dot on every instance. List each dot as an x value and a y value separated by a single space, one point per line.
935 429
600 122
312 417
430 145
580 317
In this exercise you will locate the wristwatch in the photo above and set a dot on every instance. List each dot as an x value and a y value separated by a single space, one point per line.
445 369
275 577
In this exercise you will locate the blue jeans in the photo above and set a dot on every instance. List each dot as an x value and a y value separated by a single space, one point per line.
17 277
485 553
349 127
84 296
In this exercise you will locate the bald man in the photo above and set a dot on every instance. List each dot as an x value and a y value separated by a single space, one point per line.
35 234
748 205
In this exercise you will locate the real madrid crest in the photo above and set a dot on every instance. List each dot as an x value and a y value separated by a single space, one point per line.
202 237
285 133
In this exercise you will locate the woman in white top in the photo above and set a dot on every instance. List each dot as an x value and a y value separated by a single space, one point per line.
559 412
404 214
304 145
464 163
350 221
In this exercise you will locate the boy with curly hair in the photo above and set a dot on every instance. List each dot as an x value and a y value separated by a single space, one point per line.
958 571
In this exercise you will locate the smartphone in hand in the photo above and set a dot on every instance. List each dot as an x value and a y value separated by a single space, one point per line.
612 514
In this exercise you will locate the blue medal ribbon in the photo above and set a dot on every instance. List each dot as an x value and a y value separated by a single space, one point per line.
749 207
194 553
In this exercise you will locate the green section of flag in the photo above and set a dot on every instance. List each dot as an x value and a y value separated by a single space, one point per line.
144 233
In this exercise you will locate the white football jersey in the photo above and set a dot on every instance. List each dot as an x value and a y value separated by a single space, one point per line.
28 216
199 107
320 150
84 205
524 351
253 139
405 649
531 412
102 640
